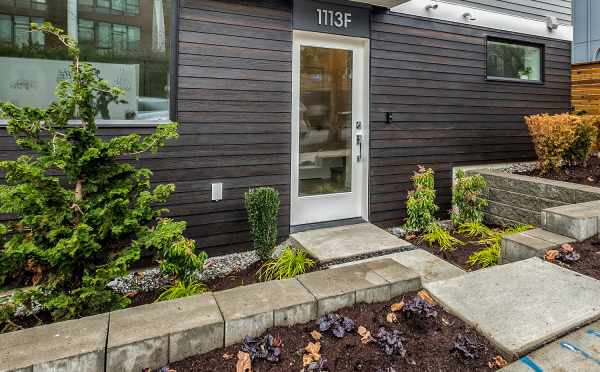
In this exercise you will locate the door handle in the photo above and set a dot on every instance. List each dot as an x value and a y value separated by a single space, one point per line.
359 141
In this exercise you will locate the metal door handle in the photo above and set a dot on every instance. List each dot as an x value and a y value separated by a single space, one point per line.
359 138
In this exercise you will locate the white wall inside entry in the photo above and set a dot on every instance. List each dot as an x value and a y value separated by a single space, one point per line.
330 128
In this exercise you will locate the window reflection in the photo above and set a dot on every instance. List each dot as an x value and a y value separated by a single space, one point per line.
127 40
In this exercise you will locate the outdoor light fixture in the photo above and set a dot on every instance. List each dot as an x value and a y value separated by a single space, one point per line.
431 6
468 17
551 23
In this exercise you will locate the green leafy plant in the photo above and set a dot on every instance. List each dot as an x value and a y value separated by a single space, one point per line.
474 229
82 213
181 289
468 198
586 134
420 206
262 205
292 262
490 255
436 234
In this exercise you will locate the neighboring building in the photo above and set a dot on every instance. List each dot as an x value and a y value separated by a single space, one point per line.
333 103
586 31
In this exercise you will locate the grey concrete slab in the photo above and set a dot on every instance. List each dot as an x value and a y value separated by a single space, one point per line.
531 243
74 345
522 305
250 310
578 351
579 221
151 336
344 286
428 266
342 242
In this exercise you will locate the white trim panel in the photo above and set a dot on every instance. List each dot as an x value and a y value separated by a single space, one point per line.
483 18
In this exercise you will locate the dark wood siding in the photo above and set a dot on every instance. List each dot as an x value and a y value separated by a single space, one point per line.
234 108
431 76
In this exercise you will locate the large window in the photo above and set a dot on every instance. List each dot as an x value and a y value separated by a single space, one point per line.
127 40
508 60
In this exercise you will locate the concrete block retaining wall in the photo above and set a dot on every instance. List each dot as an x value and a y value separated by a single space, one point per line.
520 199
155 335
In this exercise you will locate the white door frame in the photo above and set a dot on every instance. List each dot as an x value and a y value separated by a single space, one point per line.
328 207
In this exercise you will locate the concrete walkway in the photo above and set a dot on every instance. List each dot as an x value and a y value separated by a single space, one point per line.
521 306
346 242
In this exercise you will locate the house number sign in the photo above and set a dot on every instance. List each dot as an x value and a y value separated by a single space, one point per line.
335 17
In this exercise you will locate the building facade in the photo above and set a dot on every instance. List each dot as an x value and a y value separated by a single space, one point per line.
333 103
586 31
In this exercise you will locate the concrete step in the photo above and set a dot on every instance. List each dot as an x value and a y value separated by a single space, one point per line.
530 243
350 242
429 267
578 351
579 221
522 305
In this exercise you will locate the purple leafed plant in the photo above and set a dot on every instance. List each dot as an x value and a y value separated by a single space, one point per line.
466 347
417 308
337 324
391 341
261 348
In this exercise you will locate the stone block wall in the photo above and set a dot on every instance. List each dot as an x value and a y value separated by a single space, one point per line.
520 199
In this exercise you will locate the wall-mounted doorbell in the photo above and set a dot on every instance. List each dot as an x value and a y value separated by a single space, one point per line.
389 117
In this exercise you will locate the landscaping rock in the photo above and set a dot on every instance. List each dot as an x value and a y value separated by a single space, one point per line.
578 221
522 305
531 243
250 310
74 345
151 336
577 351
336 243
344 286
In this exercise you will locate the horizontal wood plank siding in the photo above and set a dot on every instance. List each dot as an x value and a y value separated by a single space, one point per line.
431 75
585 88
534 9
234 108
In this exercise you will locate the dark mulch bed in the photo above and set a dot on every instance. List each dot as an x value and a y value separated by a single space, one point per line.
457 257
589 175
429 346
236 279
589 262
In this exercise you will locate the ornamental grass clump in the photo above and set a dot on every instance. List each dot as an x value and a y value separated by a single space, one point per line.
262 205
468 199
437 234
420 206
82 215
291 263
490 255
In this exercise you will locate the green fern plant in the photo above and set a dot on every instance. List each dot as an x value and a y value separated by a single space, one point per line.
490 255
435 233
292 262
181 289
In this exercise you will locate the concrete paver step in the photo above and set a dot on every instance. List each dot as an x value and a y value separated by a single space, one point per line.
344 242
522 305
578 351
531 243
579 221
429 267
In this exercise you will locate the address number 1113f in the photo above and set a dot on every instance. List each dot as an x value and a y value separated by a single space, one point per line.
334 18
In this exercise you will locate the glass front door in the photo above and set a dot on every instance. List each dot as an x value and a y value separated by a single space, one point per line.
328 128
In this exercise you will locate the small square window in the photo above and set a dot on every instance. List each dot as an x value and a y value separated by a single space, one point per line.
510 60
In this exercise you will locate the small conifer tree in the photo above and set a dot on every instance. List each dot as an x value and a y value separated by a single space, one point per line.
82 214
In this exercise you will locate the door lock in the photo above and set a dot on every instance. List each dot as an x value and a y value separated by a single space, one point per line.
359 141
359 124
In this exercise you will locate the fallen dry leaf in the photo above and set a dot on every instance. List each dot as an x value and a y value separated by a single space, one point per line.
313 348
567 248
306 360
316 335
391 318
277 342
397 306
426 297
551 255
244 363
227 356
365 335
497 362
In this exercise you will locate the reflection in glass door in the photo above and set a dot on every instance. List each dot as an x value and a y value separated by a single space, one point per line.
325 121
328 127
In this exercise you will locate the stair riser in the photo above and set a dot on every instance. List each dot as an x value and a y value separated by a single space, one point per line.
577 228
